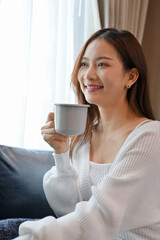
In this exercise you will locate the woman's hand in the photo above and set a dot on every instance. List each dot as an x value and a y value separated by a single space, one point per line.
60 143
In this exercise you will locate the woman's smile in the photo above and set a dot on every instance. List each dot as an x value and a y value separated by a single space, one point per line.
93 87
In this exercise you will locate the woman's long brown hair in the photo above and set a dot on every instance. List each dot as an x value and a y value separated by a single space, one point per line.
131 54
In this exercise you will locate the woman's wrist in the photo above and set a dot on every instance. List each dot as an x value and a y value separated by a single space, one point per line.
60 151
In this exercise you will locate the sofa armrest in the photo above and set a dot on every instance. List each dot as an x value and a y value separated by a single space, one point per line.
21 177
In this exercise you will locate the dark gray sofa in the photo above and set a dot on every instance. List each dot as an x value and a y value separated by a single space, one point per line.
21 190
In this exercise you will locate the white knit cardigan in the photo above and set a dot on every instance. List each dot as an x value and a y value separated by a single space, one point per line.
124 205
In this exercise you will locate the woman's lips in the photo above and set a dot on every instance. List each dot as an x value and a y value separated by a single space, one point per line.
93 88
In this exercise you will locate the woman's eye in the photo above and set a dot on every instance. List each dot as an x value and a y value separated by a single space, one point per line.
102 64
83 64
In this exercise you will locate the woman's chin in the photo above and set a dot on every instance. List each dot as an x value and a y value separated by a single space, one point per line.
92 101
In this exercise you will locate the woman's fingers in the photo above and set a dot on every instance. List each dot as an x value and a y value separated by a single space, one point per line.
48 129
59 142
49 124
52 134
50 117
54 137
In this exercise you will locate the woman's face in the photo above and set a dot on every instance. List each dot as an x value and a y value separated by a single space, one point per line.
102 77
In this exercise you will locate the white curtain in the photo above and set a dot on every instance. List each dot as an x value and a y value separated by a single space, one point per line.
39 42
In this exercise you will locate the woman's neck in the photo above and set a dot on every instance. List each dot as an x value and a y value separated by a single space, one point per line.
116 118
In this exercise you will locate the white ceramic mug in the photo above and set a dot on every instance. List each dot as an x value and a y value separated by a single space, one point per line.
70 119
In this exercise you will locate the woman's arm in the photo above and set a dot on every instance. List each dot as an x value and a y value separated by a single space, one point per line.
61 186
60 183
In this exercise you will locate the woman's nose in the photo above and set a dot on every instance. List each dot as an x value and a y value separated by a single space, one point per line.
90 73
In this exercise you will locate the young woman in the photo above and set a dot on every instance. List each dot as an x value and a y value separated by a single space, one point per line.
105 184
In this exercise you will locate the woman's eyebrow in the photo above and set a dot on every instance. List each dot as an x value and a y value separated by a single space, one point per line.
98 58
104 57
85 58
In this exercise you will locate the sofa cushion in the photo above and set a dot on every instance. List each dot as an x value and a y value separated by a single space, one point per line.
21 177
9 227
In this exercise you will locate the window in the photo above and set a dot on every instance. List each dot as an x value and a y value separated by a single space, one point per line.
40 40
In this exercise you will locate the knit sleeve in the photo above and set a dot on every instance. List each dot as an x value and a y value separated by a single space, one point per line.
127 198
61 186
